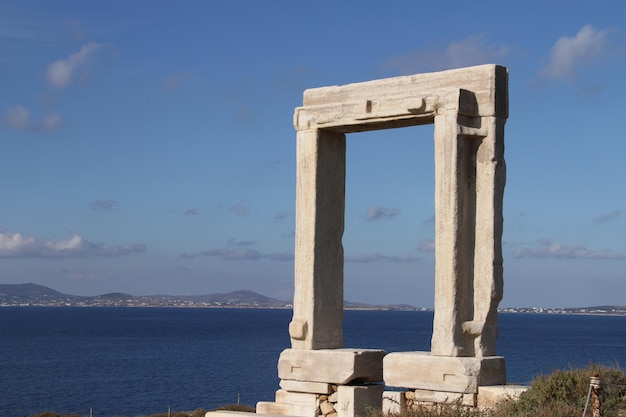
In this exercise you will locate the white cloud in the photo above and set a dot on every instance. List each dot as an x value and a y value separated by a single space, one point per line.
61 73
569 53
19 118
474 50
379 212
15 245
545 248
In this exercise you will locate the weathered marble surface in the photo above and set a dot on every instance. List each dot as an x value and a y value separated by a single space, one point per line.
421 370
469 107
333 366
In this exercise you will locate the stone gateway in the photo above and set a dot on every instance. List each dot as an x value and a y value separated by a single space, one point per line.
469 108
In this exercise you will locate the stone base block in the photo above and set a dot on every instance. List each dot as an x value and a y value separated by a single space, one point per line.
354 400
333 366
224 413
488 397
297 398
305 386
438 397
421 370
278 409
394 402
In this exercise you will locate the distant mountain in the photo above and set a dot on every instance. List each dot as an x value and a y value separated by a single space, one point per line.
29 290
39 295
241 297
349 305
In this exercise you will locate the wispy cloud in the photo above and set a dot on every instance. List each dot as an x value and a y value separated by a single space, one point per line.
294 79
240 251
62 73
235 242
240 208
241 254
174 81
81 276
380 212
103 204
19 118
570 53
192 212
379 257
426 245
278 217
474 50
12 30
545 248
609 216
15 245
244 113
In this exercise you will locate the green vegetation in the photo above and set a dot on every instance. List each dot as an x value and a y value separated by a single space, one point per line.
564 394
561 394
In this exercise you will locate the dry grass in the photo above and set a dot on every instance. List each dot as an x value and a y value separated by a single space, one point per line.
564 394
561 394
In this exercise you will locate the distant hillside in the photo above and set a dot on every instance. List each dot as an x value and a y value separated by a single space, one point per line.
29 290
241 297
39 295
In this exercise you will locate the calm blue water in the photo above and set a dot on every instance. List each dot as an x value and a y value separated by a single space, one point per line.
133 361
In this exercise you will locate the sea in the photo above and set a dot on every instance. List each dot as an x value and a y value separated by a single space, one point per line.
140 361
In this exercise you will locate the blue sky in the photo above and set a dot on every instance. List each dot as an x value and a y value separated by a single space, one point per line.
148 146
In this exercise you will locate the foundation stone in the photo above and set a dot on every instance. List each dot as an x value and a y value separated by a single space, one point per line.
333 366
421 370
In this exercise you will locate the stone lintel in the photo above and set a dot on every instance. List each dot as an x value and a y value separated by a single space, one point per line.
489 396
388 113
305 386
277 409
367 114
297 398
332 366
488 82
354 400
421 370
